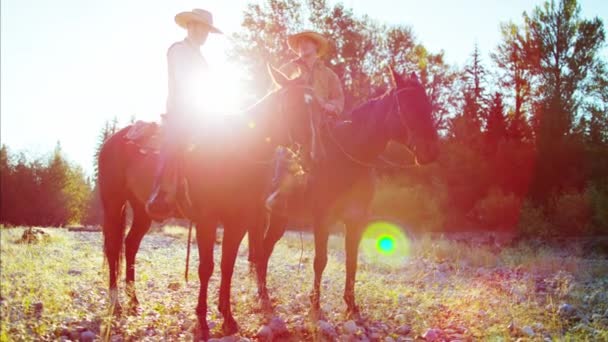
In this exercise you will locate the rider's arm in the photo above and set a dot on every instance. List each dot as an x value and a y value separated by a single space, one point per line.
336 94
180 88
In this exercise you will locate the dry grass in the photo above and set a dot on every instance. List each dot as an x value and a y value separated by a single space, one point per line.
61 284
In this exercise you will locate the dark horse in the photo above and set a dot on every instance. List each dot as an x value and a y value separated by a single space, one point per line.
227 173
342 184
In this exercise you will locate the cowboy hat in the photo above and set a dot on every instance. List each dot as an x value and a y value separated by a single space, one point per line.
322 43
198 15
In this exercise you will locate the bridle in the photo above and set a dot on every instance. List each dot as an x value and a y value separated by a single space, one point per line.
399 113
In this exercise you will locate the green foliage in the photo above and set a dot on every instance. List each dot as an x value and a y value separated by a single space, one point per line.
362 49
498 209
571 213
532 221
414 205
40 192
598 200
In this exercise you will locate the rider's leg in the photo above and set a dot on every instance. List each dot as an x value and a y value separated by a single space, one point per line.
160 205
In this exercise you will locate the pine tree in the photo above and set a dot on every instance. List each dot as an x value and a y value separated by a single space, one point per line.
568 61
496 125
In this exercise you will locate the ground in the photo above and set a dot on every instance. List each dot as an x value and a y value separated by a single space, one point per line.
437 287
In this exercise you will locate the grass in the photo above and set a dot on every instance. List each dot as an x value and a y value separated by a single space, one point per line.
475 292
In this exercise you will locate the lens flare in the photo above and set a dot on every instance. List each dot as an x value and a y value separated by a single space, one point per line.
385 242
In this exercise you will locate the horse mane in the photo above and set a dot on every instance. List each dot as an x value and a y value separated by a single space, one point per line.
370 111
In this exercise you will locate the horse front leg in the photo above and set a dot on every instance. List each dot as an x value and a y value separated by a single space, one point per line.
113 236
205 238
321 231
140 226
233 235
255 236
354 230
276 229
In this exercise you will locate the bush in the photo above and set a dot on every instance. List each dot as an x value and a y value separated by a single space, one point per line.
497 209
532 221
571 213
417 205
598 198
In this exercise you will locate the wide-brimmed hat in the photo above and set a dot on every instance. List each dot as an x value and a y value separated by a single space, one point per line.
323 44
198 15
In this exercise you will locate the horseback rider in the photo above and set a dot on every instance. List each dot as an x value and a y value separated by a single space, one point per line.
187 74
310 47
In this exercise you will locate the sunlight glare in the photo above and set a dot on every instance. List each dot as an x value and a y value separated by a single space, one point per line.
223 91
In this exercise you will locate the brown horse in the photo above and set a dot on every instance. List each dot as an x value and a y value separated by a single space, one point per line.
227 173
342 183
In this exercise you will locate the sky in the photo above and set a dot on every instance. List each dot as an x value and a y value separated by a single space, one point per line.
67 66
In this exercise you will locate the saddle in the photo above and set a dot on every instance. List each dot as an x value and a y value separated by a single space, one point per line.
146 136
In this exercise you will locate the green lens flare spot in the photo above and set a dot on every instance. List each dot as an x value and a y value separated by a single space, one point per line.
386 244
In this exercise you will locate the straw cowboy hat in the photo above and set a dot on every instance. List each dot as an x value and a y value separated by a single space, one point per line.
323 44
198 15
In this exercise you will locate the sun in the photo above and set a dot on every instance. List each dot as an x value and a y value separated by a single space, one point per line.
224 89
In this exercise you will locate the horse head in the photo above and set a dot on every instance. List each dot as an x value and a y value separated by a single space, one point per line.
415 127
296 102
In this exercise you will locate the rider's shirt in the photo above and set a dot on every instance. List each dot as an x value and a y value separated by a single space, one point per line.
187 76
322 79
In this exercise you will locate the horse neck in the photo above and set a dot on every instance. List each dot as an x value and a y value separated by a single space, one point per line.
260 120
372 125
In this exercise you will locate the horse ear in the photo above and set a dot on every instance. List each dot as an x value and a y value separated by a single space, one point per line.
414 77
277 77
396 80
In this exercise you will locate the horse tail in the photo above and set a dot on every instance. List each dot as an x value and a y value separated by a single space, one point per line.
112 163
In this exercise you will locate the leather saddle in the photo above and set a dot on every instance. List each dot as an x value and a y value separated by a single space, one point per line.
146 136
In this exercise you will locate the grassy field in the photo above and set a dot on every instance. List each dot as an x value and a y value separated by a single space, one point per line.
57 290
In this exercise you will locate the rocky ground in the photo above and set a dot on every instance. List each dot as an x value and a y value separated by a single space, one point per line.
438 289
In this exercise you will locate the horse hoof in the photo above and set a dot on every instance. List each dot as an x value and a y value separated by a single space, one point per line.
134 310
116 310
317 315
230 327
201 334
353 315
267 306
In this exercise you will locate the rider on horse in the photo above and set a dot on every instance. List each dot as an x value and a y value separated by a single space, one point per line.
187 74
309 46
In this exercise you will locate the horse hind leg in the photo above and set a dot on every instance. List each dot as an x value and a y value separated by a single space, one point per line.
233 235
205 238
140 226
113 235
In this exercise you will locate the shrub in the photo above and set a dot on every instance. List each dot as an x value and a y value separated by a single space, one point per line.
497 209
419 206
532 221
571 213
598 198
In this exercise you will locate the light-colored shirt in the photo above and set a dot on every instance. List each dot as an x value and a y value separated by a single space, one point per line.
323 80
188 74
